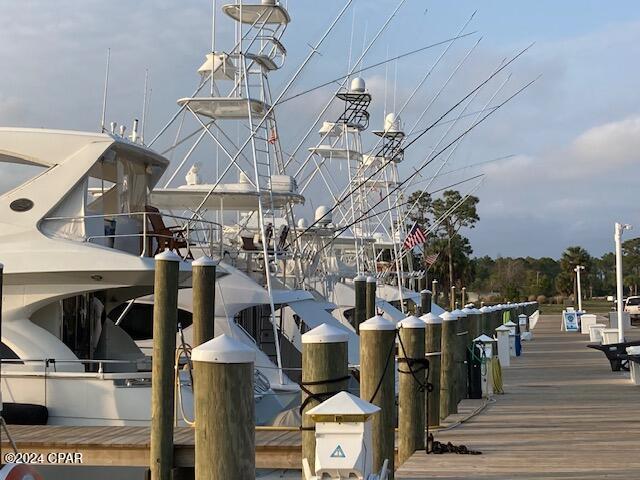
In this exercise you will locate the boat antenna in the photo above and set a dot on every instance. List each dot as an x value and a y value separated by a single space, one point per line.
213 43
144 104
104 95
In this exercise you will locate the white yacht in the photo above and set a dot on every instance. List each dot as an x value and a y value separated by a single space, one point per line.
71 259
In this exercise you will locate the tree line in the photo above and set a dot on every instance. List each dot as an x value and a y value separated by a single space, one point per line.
446 220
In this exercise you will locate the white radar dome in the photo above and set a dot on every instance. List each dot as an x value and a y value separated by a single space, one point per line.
358 85
323 215
392 123
302 223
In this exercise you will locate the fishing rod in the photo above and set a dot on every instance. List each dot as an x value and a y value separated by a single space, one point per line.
474 125
423 132
340 86
308 180
379 212
466 167
444 135
345 228
364 69
498 90
448 213
473 91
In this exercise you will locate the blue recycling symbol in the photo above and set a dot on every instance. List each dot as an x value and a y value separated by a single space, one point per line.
338 453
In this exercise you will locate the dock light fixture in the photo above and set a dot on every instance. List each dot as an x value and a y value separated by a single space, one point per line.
578 269
617 236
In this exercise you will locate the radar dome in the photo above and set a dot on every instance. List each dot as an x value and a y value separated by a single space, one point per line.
392 123
357 85
323 215
302 223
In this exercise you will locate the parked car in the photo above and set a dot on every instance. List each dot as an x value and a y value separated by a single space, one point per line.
632 307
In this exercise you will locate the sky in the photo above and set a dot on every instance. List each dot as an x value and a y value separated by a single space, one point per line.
572 138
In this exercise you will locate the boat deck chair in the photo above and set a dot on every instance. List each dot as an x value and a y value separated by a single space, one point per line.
616 353
171 238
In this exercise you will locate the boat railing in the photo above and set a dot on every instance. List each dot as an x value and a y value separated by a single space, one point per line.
184 234
49 364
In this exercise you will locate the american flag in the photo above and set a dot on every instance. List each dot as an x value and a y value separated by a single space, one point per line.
273 138
429 260
415 237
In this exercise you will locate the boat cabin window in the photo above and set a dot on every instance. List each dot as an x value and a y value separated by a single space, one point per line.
138 322
15 173
7 354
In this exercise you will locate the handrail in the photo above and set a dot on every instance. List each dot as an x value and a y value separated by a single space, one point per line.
183 223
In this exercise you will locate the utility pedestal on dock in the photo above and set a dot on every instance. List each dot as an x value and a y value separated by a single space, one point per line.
224 409
165 320
343 439
433 340
377 384
325 372
411 398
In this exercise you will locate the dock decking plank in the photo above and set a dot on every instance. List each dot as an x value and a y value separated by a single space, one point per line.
565 414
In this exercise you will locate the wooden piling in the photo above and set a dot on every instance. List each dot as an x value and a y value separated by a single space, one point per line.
360 308
433 340
371 297
411 397
204 291
165 318
325 372
448 404
461 354
224 409
377 385
425 301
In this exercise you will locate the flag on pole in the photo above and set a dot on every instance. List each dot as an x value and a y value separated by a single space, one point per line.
415 237
431 259
273 138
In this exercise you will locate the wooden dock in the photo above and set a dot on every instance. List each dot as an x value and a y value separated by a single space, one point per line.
129 446
565 414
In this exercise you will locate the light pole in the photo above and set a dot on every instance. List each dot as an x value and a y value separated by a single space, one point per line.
453 298
617 236
577 270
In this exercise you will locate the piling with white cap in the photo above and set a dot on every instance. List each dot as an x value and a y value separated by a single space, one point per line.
433 339
165 320
370 309
411 397
425 301
325 372
360 307
461 353
377 384
485 314
448 403
204 299
224 409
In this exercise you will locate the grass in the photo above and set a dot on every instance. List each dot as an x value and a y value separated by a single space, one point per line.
591 306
